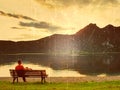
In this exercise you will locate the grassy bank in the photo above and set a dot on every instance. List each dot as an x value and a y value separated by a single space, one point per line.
107 85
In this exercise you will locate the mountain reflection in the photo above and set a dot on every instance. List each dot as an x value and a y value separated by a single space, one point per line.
92 64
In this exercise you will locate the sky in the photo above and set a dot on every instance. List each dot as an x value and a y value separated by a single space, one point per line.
23 20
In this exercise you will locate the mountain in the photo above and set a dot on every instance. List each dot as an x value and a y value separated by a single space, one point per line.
89 39
93 38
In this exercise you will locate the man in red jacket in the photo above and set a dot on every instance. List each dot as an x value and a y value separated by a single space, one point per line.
19 66
20 70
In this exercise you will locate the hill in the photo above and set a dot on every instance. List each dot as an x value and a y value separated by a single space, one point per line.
89 39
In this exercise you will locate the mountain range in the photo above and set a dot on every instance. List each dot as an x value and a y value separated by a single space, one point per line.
89 39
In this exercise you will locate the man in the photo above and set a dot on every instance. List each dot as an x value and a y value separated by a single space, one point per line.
19 66
20 70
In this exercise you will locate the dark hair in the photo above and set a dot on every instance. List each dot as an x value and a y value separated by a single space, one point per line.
19 61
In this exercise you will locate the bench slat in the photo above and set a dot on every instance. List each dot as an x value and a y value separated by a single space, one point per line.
29 73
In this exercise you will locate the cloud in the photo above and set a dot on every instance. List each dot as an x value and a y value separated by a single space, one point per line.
106 2
40 25
17 28
80 3
62 3
16 16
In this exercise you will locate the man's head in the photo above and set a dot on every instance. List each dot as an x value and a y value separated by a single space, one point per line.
19 62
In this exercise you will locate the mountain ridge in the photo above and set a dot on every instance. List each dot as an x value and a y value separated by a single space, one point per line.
89 39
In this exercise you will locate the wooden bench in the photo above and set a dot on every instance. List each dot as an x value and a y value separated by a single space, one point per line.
28 73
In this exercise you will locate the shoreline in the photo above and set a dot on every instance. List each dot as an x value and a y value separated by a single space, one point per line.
68 79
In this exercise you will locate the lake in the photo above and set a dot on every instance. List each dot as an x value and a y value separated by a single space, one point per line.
63 65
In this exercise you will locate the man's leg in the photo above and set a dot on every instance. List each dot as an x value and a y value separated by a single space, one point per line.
24 79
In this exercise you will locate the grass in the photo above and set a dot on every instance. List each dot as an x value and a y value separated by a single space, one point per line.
108 85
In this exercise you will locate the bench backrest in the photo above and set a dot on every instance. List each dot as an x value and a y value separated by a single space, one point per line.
20 73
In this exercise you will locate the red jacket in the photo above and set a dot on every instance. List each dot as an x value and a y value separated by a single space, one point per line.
19 67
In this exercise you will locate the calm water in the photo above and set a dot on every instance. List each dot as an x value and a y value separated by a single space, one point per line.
65 66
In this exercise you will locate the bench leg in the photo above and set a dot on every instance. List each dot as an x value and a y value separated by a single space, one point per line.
14 78
43 80
17 79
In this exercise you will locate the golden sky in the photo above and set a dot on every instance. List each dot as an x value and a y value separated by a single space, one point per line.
35 19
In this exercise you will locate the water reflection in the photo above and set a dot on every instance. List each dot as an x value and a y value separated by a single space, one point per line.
4 71
72 65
